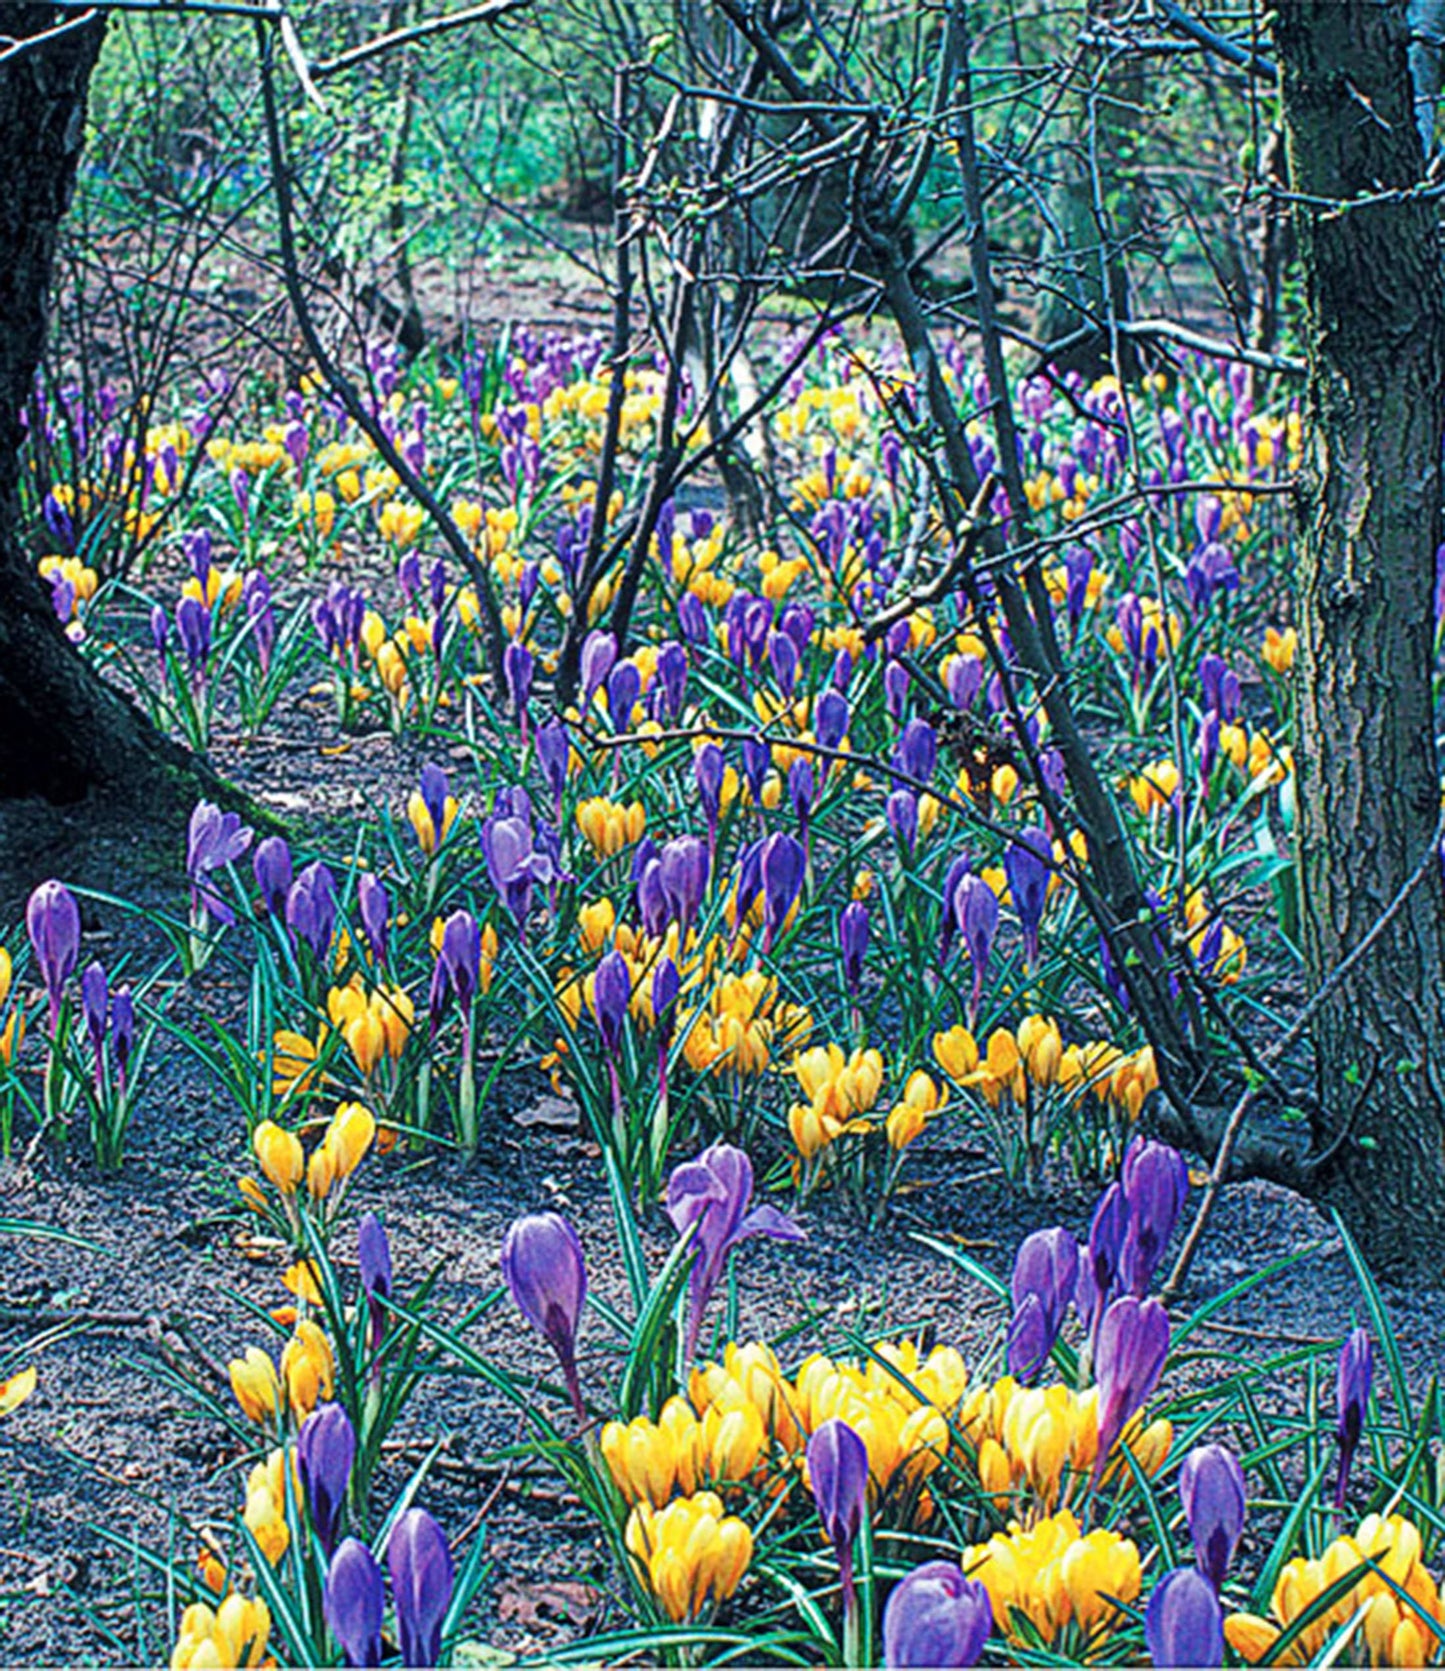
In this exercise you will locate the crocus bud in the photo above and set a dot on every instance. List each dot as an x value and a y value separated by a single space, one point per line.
599 651
782 864
666 984
917 750
311 909
1156 1181
1133 1343
935 1617
684 877
901 811
1028 863
1211 1487
553 750
421 1585
708 767
122 1031
325 1451
271 864
95 1004
374 907
853 943
611 994
1045 1275
1184 1624
354 1602
831 718
624 686
975 905
1352 1398
838 1474
547 1277
518 664
373 1258
1099 1272
461 955
52 919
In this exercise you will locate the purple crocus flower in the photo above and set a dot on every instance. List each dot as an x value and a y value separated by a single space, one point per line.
1352 1398
964 680
1045 1275
435 790
708 767
374 907
917 750
801 790
838 1475
354 1602
1133 1343
783 654
325 1451
853 928
373 1258
624 686
684 876
1156 1181
671 679
518 664
547 1277
599 651
193 627
831 718
714 1193
782 864
514 862
975 905
271 864
461 956
1184 1624
95 1006
553 749
1211 1487
666 985
1099 1271
935 1618
692 618
122 1033
611 994
901 811
757 757
311 909
1028 863
421 1585
214 839
160 630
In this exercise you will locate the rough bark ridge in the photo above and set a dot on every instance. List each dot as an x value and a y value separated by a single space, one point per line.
62 730
1370 523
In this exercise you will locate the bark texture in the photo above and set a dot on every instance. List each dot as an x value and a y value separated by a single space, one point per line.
62 729
1370 523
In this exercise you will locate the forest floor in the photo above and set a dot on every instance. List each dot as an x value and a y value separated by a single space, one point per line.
111 1457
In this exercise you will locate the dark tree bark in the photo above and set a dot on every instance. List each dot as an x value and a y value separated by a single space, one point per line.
63 731
1369 524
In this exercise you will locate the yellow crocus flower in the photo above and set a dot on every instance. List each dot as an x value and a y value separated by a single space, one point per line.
279 1154
255 1384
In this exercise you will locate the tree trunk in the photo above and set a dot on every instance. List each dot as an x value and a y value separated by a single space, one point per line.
63 731
1370 523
